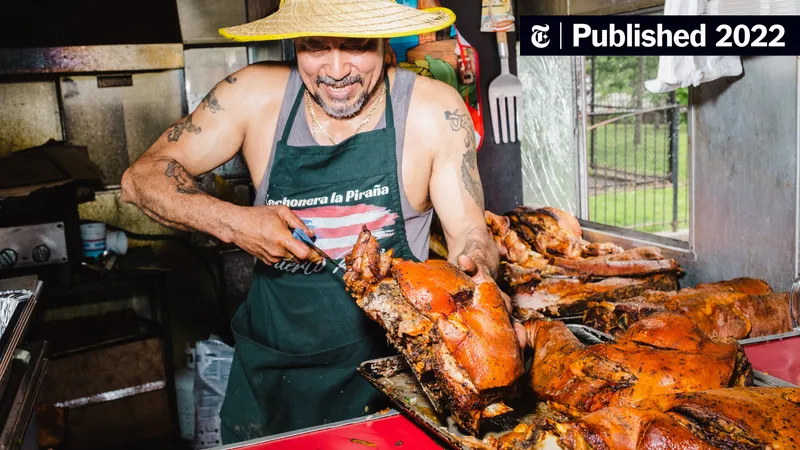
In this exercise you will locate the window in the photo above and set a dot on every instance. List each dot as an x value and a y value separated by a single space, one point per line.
597 143
636 148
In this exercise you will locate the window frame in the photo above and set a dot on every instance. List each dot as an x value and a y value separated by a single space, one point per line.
597 232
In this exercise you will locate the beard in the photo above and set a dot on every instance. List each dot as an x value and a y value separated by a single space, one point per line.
345 108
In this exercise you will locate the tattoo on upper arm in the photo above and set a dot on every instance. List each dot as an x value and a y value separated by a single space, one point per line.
460 122
186 184
230 79
211 102
180 126
469 164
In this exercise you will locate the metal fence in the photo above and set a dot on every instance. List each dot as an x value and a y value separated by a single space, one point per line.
637 150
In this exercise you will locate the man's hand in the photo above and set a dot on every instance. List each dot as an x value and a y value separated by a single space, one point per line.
478 273
265 232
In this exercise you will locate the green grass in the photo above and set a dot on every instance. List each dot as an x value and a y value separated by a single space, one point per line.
614 148
637 208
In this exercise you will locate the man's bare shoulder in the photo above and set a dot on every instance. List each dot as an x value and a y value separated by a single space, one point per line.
257 85
435 107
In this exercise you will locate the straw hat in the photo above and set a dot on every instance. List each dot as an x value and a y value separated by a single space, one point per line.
342 18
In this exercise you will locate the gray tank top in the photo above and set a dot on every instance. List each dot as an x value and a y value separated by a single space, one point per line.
417 224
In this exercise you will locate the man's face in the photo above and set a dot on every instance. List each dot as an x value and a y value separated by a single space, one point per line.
340 73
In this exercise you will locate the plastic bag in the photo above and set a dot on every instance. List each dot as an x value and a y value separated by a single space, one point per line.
213 360
682 71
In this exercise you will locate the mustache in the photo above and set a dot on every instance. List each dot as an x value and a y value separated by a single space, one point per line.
344 82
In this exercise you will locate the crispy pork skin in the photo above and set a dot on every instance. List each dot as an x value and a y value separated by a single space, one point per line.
614 318
455 334
549 267
738 309
556 232
664 353
743 285
512 249
740 418
636 262
550 230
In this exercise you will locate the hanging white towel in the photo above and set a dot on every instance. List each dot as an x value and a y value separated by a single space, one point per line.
682 71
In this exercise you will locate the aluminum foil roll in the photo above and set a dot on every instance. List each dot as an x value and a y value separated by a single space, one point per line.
9 300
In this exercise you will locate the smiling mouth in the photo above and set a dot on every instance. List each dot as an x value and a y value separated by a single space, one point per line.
339 93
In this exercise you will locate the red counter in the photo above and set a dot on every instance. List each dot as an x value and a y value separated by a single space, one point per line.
780 358
390 431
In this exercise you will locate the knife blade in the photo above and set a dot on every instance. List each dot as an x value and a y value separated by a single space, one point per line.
301 236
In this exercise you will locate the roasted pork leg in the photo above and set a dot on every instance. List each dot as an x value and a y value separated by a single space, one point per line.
456 335
663 353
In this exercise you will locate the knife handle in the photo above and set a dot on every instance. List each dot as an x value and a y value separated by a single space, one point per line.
301 236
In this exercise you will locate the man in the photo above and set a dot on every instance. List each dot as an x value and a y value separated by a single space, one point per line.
334 142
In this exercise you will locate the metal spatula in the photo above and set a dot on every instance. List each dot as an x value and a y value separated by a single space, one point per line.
505 98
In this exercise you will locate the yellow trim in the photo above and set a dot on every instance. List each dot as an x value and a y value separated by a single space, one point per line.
297 34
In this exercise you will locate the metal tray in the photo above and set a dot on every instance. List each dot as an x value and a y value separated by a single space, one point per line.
16 323
393 377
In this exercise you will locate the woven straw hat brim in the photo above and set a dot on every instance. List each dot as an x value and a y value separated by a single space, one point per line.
342 18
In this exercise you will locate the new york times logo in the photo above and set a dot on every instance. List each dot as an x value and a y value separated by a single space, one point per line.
539 37
659 35
632 36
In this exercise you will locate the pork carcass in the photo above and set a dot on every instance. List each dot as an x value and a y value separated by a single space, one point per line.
550 269
741 418
737 308
661 354
456 335
555 232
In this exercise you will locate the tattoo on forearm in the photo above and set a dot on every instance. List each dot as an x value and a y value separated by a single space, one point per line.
230 79
471 178
211 102
460 122
185 183
180 126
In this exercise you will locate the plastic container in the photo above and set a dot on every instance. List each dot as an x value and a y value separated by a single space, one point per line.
184 388
117 242
93 236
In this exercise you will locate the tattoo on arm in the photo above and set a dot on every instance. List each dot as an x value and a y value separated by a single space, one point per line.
185 183
472 182
211 102
180 126
469 164
230 79
460 122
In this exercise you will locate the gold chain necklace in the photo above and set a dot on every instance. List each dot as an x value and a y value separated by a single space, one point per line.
358 128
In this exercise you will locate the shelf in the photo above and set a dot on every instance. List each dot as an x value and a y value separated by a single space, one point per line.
91 59
105 332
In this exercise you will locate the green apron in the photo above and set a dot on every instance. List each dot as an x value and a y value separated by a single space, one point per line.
300 336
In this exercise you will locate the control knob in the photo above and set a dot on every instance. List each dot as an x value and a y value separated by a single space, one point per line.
8 257
41 253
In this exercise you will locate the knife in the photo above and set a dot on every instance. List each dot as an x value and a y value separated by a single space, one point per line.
301 236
